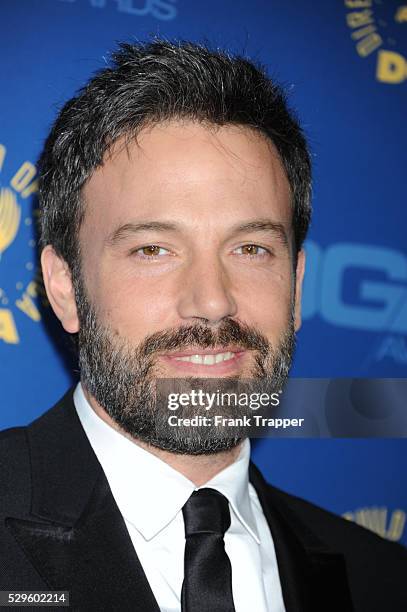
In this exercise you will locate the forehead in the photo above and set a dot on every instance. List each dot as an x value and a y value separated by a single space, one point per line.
191 172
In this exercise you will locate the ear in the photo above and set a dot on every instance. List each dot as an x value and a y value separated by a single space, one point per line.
59 288
299 277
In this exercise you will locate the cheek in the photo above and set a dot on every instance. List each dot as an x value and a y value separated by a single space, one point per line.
136 307
265 302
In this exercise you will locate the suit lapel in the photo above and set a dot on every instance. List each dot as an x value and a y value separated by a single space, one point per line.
313 577
75 536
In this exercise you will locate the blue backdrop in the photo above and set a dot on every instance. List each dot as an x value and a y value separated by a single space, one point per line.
345 67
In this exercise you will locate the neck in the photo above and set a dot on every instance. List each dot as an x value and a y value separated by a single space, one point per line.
199 469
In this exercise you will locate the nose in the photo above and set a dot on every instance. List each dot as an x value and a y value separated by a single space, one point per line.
206 292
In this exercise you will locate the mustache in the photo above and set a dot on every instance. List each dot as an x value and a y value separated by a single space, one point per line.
203 336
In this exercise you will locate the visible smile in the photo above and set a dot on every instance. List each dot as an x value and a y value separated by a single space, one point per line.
206 359
213 361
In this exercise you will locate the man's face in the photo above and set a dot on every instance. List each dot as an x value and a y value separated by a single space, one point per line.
187 242
205 184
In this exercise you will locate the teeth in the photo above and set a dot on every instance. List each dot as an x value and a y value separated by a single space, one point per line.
209 359
206 359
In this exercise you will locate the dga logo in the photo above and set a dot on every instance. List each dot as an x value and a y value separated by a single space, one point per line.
17 293
378 520
359 286
377 28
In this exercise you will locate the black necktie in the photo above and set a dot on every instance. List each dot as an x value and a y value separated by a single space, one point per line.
207 585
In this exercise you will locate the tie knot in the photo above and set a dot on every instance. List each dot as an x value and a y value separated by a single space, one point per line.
206 511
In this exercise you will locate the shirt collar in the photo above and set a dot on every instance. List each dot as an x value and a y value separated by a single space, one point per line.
139 480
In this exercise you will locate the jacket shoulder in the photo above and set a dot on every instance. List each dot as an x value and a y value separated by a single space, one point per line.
15 455
13 442
364 549
14 470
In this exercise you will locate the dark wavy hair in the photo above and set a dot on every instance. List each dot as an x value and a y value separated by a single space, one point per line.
146 83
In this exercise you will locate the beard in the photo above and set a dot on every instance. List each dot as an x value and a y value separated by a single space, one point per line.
124 378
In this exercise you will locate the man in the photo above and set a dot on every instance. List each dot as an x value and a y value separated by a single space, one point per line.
175 199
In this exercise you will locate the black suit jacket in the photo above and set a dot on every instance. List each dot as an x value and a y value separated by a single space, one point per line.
60 529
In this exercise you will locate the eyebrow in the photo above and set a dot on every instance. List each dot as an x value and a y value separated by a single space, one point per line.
263 225
129 229
256 225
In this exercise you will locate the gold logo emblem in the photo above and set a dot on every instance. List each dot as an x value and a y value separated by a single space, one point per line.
10 215
20 294
373 28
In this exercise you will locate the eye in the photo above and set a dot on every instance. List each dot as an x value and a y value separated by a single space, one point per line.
150 251
253 250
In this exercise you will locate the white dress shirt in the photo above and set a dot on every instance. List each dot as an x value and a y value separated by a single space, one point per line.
150 495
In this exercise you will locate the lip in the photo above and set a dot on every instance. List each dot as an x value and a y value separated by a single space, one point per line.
199 351
215 370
